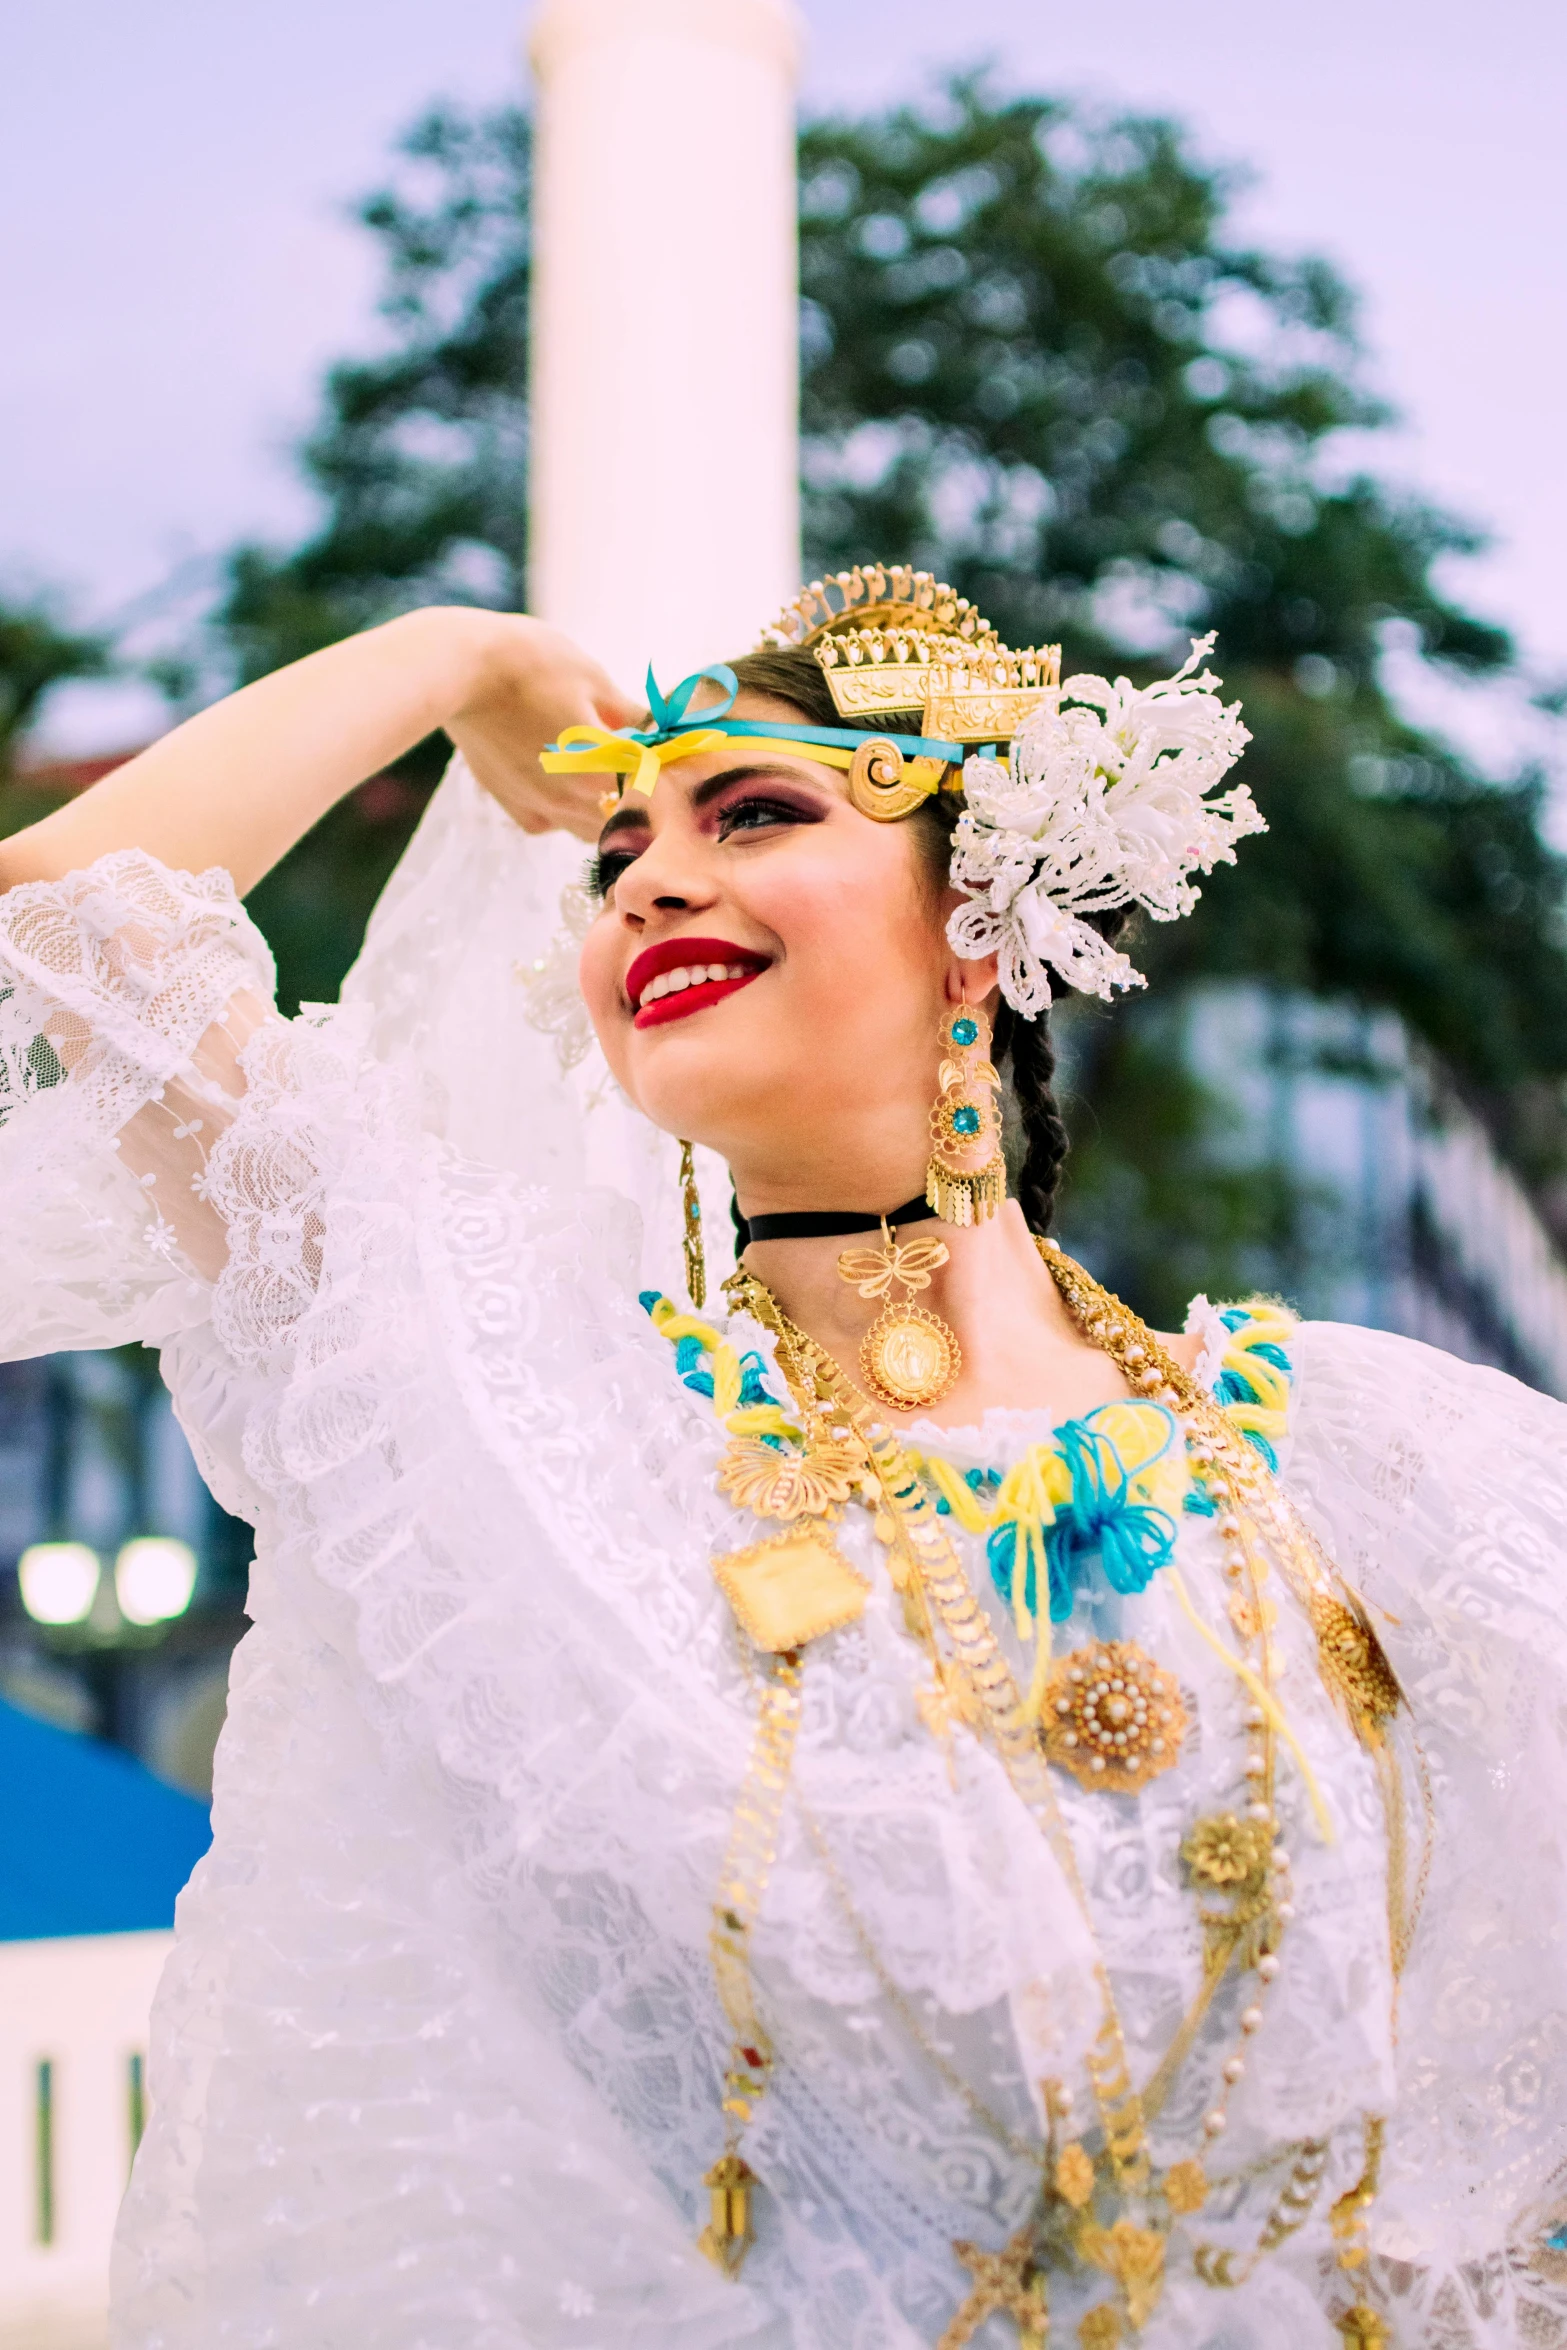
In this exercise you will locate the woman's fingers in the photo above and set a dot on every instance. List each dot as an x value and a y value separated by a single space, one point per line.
538 684
613 708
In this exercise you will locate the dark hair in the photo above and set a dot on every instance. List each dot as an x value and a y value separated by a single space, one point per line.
1024 1049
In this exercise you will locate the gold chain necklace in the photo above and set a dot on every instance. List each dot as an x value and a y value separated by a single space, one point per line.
1350 1658
1236 1856
975 1684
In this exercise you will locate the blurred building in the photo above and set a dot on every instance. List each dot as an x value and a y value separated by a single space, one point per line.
1397 1210
97 1485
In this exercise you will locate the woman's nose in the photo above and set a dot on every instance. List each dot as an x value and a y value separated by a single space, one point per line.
666 879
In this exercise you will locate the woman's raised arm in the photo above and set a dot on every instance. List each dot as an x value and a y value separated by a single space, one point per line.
239 784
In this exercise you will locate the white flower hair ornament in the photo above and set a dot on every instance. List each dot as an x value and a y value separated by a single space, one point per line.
1103 802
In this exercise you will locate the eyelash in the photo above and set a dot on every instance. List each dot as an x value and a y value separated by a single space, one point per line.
605 869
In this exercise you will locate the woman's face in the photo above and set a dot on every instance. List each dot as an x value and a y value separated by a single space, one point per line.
768 972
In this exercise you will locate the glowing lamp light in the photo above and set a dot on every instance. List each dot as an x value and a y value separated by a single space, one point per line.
59 1581
154 1578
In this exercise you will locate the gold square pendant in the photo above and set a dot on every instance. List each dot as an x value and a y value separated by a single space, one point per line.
790 1590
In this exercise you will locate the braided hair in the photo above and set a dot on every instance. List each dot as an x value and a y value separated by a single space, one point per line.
1024 1050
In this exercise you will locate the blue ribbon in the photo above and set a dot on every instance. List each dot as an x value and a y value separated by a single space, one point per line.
843 738
669 714
672 715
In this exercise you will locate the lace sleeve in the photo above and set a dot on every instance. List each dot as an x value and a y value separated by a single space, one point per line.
128 997
1441 1489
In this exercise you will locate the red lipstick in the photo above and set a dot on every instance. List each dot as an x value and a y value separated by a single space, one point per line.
687 968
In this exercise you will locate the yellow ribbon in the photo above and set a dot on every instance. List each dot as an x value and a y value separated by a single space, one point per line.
597 750
1264 1697
824 754
756 1419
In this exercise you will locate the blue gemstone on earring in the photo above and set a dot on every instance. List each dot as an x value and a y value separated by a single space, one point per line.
965 1031
965 1119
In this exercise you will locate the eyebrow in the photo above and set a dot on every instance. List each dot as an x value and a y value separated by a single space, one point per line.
628 818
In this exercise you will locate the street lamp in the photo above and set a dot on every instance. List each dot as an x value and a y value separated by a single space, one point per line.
59 1581
154 1577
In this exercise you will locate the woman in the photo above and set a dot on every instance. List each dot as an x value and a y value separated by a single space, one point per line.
985 1823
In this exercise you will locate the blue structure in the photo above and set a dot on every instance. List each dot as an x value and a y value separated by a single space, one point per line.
90 1842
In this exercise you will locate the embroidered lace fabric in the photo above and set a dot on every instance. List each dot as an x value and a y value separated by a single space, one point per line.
437 2056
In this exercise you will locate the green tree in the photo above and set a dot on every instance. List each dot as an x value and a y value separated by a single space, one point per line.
1034 360
420 462
38 650
1036 363
420 455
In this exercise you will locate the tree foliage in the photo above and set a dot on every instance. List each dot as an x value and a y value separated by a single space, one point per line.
38 650
420 454
1036 361
420 462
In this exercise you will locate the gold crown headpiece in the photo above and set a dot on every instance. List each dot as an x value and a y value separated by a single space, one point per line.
892 643
895 642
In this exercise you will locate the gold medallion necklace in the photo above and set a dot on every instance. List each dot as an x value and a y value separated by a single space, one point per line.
909 1357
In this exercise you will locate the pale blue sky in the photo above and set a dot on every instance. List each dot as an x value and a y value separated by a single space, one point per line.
175 268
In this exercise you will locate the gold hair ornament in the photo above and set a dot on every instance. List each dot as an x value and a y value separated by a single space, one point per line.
891 642
886 785
895 641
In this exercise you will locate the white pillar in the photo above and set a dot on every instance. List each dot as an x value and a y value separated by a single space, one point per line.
664 506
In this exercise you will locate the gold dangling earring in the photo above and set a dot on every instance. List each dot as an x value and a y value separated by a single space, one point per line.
909 1357
691 1230
966 1178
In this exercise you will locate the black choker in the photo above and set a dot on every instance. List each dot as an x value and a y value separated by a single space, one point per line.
822 1223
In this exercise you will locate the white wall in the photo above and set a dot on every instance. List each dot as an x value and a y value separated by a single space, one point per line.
82 2004
664 504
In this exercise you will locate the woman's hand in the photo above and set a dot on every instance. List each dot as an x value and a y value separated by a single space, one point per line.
532 683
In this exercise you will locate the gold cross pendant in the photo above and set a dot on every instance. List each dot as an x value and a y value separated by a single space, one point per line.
1005 2282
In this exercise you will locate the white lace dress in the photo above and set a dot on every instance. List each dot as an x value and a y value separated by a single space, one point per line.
437 2059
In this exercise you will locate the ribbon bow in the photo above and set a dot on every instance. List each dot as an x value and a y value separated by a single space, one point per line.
669 715
642 752
911 1262
599 750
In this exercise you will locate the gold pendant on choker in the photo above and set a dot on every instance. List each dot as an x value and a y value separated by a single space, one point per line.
909 1357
